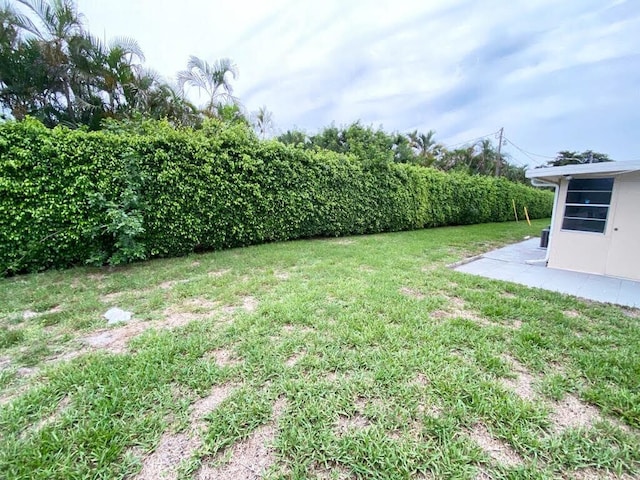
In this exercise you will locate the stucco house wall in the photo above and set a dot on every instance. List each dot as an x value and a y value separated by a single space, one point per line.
614 252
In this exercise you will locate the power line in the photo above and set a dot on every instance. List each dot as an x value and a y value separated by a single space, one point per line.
529 153
473 140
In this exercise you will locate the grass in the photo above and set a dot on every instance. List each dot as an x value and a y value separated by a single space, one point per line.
363 357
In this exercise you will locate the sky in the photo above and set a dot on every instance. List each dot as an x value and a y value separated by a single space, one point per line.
556 75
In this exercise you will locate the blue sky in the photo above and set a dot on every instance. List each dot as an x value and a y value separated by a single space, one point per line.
555 75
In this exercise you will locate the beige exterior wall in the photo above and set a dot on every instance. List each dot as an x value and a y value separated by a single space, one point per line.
610 253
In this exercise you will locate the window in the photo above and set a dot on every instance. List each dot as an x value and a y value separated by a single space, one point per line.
587 204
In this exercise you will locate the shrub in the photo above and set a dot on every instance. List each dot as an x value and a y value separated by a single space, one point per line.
69 197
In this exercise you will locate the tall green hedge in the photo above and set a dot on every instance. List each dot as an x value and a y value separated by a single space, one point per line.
69 197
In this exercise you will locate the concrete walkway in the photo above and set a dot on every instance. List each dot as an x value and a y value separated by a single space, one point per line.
509 263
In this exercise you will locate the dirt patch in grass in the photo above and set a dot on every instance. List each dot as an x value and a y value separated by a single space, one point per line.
297 328
281 275
30 314
522 385
223 358
172 283
412 292
357 421
571 313
163 463
250 458
329 472
5 362
194 309
354 422
421 380
430 410
115 340
112 297
295 358
249 304
201 407
218 273
573 413
343 241
497 449
457 308
631 312
595 474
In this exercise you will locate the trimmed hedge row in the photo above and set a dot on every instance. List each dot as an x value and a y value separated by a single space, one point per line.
69 197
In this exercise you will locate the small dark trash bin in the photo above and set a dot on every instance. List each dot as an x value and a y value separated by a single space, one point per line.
544 237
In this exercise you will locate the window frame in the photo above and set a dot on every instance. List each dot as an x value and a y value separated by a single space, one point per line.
588 220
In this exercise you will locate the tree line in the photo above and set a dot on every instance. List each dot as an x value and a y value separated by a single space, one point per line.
53 69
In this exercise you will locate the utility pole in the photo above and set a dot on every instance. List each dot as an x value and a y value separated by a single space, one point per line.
499 159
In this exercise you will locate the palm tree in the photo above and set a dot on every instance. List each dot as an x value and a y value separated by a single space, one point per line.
211 80
60 24
263 122
116 71
424 146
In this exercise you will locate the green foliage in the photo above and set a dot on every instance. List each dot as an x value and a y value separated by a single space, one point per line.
149 190
569 157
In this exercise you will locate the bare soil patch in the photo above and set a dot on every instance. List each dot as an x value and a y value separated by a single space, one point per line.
329 472
571 313
163 463
356 421
522 385
458 309
223 358
249 304
421 380
497 449
344 241
201 407
218 273
295 358
430 410
412 292
172 283
297 328
29 314
595 474
281 275
250 458
191 310
573 413
115 340
112 297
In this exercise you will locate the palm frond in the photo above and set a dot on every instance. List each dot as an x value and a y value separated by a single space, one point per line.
128 46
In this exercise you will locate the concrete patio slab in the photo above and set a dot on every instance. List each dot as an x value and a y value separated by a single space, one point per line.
510 263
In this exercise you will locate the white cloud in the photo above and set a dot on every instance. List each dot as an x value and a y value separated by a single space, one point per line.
540 69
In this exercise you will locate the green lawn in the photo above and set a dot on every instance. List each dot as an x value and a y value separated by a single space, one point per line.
360 357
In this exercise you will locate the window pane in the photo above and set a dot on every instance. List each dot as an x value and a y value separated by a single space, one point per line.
583 225
591 184
585 198
587 212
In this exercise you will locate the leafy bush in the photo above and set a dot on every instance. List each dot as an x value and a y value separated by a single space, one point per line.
69 197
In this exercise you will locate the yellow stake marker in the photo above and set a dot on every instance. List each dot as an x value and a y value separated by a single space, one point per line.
515 212
526 214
